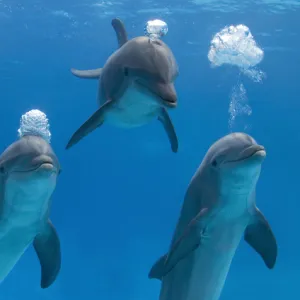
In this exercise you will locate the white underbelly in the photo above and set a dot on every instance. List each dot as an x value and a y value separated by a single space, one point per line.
26 201
12 246
26 205
134 109
202 274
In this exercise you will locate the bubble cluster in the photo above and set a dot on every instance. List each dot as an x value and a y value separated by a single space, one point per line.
238 104
35 122
156 29
236 46
254 74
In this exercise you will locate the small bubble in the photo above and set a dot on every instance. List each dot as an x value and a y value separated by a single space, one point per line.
238 106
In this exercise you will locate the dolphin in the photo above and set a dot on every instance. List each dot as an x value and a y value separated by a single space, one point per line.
28 174
219 209
135 86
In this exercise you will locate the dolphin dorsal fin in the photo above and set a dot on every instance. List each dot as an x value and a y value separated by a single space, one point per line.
120 30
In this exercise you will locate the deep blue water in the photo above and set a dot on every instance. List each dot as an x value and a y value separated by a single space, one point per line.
118 198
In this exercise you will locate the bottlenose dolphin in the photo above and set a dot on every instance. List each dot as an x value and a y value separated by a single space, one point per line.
135 86
219 208
28 173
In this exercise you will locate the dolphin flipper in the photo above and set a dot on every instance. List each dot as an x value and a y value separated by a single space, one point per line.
95 121
184 246
165 119
260 237
120 30
188 242
47 247
158 269
88 74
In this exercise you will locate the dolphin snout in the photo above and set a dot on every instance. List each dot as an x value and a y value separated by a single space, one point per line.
253 150
171 100
167 93
42 159
43 162
47 166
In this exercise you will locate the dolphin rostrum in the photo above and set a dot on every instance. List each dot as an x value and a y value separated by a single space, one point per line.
219 208
135 86
28 173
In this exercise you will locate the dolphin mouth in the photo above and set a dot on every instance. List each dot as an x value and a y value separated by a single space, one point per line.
252 151
168 102
44 166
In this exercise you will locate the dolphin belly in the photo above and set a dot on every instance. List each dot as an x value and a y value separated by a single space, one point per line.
201 275
27 198
25 209
13 244
133 109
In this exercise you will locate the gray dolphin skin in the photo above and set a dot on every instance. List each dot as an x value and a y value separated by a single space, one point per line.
218 210
28 174
135 86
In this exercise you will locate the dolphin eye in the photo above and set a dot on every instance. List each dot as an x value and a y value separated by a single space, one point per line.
2 170
214 163
126 71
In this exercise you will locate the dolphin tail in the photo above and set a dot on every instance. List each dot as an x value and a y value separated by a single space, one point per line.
260 237
165 119
88 74
47 247
95 121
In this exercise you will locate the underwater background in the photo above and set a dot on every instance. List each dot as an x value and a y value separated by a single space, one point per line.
120 192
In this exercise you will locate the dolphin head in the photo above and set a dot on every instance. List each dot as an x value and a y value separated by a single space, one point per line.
28 174
30 158
236 161
152 67
235 150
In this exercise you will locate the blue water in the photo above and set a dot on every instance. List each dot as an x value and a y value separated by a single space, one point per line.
119 195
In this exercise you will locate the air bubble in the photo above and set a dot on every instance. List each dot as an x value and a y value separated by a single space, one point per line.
35 122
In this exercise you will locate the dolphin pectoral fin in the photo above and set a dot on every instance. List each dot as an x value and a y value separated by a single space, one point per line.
47 247
158 269
88 74
120 30
260 237
95 121
165 119
183 246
